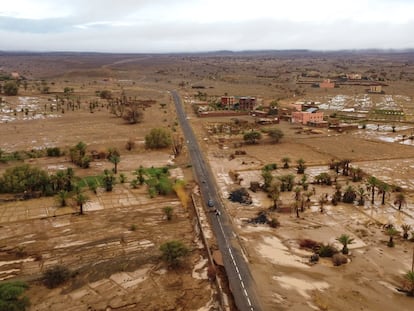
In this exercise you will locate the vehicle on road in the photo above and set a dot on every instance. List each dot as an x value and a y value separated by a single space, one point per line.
210 203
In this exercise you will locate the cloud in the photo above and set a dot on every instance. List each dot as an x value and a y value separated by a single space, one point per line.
200 25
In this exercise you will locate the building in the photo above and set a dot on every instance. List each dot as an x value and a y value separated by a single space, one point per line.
327 84
354 76
245 103
375 89
228 102
311 115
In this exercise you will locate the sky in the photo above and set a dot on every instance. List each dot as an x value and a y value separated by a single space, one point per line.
162 26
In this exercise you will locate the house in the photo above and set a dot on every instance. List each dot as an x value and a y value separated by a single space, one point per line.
228 101
375 89
311 115
245 103
327 84
354 76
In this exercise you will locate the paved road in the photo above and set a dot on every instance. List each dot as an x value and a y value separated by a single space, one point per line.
240 279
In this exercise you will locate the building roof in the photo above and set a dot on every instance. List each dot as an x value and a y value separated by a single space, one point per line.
311 110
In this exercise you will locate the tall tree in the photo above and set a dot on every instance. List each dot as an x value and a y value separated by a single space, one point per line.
372 183
11 296
383 189
115 159
274 193
400 200
80 200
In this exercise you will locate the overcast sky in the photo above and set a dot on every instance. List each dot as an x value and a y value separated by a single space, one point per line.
204 25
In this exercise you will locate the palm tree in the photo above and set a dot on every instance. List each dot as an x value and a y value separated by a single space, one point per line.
361 196
268 178
168 211
274 193
391 232
383 188
286 161
400 200
345 167
62 196
115 159
108 180
80 200
301 166
356 174
372 183
323 199
345 240
349 195
409 282
304 182
405 228
290 179
337 197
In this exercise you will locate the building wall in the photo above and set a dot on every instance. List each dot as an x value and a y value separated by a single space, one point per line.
327 84
305 117
376 88
228 101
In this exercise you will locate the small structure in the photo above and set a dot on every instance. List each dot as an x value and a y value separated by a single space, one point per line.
376 89
311 115
246 103
354 76
228 101
327 84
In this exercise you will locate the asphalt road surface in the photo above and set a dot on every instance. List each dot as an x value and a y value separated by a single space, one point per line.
240 279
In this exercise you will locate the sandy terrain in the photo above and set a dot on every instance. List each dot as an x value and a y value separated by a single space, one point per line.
120 269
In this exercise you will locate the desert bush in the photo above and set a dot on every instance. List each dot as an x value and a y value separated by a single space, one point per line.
173 252
327 250
158 138
53 152
10 88
23 178
339 259
309 244
130 144
56 276
274 223
270 167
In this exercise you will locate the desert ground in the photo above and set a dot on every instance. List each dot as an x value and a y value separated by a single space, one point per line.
118 268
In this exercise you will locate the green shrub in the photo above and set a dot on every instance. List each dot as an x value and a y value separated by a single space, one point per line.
327 250
11 298
53 152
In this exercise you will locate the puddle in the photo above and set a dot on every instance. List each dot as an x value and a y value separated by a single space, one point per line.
300 285
279 254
